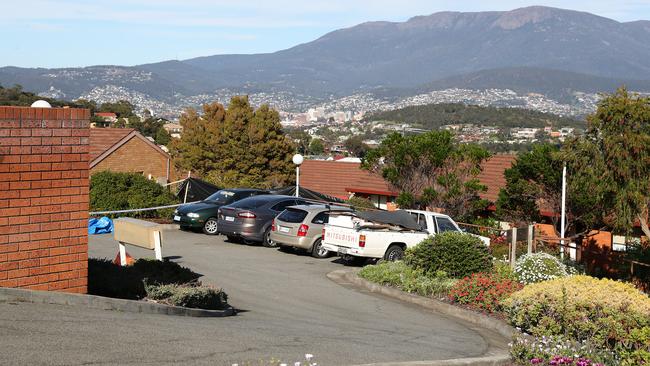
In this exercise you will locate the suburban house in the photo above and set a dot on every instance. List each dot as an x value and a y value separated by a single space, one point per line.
174 129
126 150
344 179
108 117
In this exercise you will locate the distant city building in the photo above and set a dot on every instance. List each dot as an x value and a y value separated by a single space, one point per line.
174 129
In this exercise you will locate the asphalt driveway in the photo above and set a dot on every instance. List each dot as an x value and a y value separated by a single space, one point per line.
288 308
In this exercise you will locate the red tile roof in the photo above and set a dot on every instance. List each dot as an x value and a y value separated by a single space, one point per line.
493 175
106 114
338 179
102 139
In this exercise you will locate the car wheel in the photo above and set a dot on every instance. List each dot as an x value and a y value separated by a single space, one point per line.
267 239
210 227
317 250
394 253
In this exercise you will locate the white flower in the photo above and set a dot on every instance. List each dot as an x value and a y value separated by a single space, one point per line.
308 356
296 364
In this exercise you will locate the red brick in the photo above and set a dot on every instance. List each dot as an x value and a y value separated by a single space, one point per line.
41 132
15 273
30 141
21 132
30 158
62 132
41 149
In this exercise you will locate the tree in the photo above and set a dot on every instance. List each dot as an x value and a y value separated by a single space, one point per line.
534 179
356 146
611 161
239 146
122 108
431 169
302 140
152 127
316 147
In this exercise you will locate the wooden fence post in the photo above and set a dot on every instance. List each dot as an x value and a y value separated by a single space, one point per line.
531 229
513 248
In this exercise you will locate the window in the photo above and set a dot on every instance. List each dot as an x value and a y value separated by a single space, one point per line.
292 215
321 218
422 220
282 205
444 224
223 197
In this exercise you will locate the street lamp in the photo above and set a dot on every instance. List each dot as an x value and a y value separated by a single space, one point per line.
298 159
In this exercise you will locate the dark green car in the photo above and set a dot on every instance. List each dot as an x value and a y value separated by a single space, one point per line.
203 215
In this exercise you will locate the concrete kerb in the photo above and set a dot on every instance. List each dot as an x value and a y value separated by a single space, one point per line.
494 357
105 303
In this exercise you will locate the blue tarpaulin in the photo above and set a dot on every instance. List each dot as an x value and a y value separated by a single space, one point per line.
103 225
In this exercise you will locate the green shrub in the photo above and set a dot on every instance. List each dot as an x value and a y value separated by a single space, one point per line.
537 267
397 274
610 315
122 191
108 279
202 297
457 254
483 291
360 203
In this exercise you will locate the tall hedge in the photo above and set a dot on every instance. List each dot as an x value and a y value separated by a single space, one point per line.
458 254
111 191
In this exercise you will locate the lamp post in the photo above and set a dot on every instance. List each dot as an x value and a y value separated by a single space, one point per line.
298 159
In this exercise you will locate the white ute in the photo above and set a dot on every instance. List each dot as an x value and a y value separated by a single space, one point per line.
350 235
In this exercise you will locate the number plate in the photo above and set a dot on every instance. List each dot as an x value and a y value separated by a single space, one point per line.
177 218
230 218
284 229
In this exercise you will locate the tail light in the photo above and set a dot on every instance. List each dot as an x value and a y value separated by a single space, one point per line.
362 241
302 230
323 234
247 215
273 225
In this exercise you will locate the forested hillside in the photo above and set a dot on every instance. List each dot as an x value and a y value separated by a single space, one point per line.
432 116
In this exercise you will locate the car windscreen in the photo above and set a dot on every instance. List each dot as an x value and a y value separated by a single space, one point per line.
223 197
292 215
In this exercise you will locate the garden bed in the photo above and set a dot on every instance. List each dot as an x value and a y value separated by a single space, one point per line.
563 318
162 282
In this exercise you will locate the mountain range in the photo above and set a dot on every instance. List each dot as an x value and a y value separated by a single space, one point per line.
551 51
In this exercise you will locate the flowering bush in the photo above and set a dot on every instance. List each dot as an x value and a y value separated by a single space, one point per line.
537 267
611 315
483 291
558 351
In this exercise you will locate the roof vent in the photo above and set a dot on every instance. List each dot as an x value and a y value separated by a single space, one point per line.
41 104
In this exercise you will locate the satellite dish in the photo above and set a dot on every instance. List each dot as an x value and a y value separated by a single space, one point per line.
41 104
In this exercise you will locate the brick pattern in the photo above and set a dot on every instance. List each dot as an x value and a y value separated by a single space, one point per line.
44 198
136 156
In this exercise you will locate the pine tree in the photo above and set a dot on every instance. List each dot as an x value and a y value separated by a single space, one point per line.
237 147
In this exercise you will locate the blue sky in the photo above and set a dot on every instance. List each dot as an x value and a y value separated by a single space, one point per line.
60 33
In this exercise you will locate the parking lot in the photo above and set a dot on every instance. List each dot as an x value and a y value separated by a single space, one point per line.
287 306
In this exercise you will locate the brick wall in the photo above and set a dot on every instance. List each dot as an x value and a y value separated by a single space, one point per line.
136 156
44 198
